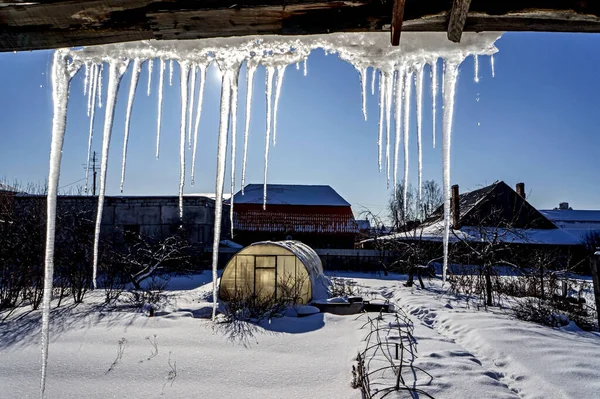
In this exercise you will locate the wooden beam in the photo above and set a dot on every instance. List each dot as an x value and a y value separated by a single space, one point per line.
397 18
458 17
43 24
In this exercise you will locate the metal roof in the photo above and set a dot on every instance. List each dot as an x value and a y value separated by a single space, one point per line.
290 194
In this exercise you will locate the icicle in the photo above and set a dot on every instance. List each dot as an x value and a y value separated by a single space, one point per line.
150 65
397 124
191 107
198 115
451 75
278 83
116 70
389 86
250 70
170 72
91 80
373 71
86 82
305 69
363 85
220 178
476 78
492 65
60 96
92 96
135 74
407 96
161 78
381 114
100 85
234 107
269 91
184 67
419 101
297 66
434 91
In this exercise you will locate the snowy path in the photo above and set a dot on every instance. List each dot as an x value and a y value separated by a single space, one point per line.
534 361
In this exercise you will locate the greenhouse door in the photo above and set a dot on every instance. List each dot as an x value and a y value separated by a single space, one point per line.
265 270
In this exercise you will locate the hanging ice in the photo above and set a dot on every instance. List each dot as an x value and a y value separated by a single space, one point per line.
170 72
184 67
202 71
407 94
100 84
150 64
492 66
419 102
476 66
191 106
269 93
250 70
362 72
373 70
278 83
381 115
234 110
161 78
397 123
92 95
135 74
450 78
389 86
85 83
305 68
220 178
434 91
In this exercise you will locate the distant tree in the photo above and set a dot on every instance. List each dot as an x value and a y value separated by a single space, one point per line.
404 214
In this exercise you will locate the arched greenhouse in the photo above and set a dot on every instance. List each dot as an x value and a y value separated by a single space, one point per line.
279 269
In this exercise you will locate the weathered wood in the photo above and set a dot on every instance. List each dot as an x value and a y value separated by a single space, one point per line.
397 18
458 17
65 23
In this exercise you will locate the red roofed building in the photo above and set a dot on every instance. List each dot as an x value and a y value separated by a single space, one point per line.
315 215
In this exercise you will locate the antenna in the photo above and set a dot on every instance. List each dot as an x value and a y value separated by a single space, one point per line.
92 166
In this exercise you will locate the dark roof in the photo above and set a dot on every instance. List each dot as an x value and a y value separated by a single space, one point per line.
290 194
495 205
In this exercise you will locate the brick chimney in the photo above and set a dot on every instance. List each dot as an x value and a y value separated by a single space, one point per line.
455 207
521 190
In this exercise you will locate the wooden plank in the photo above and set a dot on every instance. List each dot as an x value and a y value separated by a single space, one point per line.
46 24
397 18
458 17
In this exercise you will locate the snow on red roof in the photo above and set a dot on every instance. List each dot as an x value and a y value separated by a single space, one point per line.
289 194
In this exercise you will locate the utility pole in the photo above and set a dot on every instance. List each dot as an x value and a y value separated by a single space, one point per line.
94 170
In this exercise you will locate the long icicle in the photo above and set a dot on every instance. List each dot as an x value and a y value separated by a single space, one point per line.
362 72
406 122
389 87
86 81
305 67
135 74
492 65
60 97
450 78
397 124
476 67
116 70
269 91
184 67
170 72
92 94
434 93
191 107
100 84
381 114
278 84
250 70
150 65
373 72
419 102
220 178
234 109
202 69
161 79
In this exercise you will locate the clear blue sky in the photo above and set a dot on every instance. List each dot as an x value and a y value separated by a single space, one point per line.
536 121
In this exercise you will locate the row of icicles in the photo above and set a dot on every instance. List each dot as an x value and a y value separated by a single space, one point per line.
395 88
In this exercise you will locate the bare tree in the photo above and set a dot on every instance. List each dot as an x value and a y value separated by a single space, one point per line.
405 214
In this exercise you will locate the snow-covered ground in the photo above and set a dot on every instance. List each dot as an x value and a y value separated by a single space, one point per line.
469 353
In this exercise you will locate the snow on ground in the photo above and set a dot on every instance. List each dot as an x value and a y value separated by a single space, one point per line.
469 353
